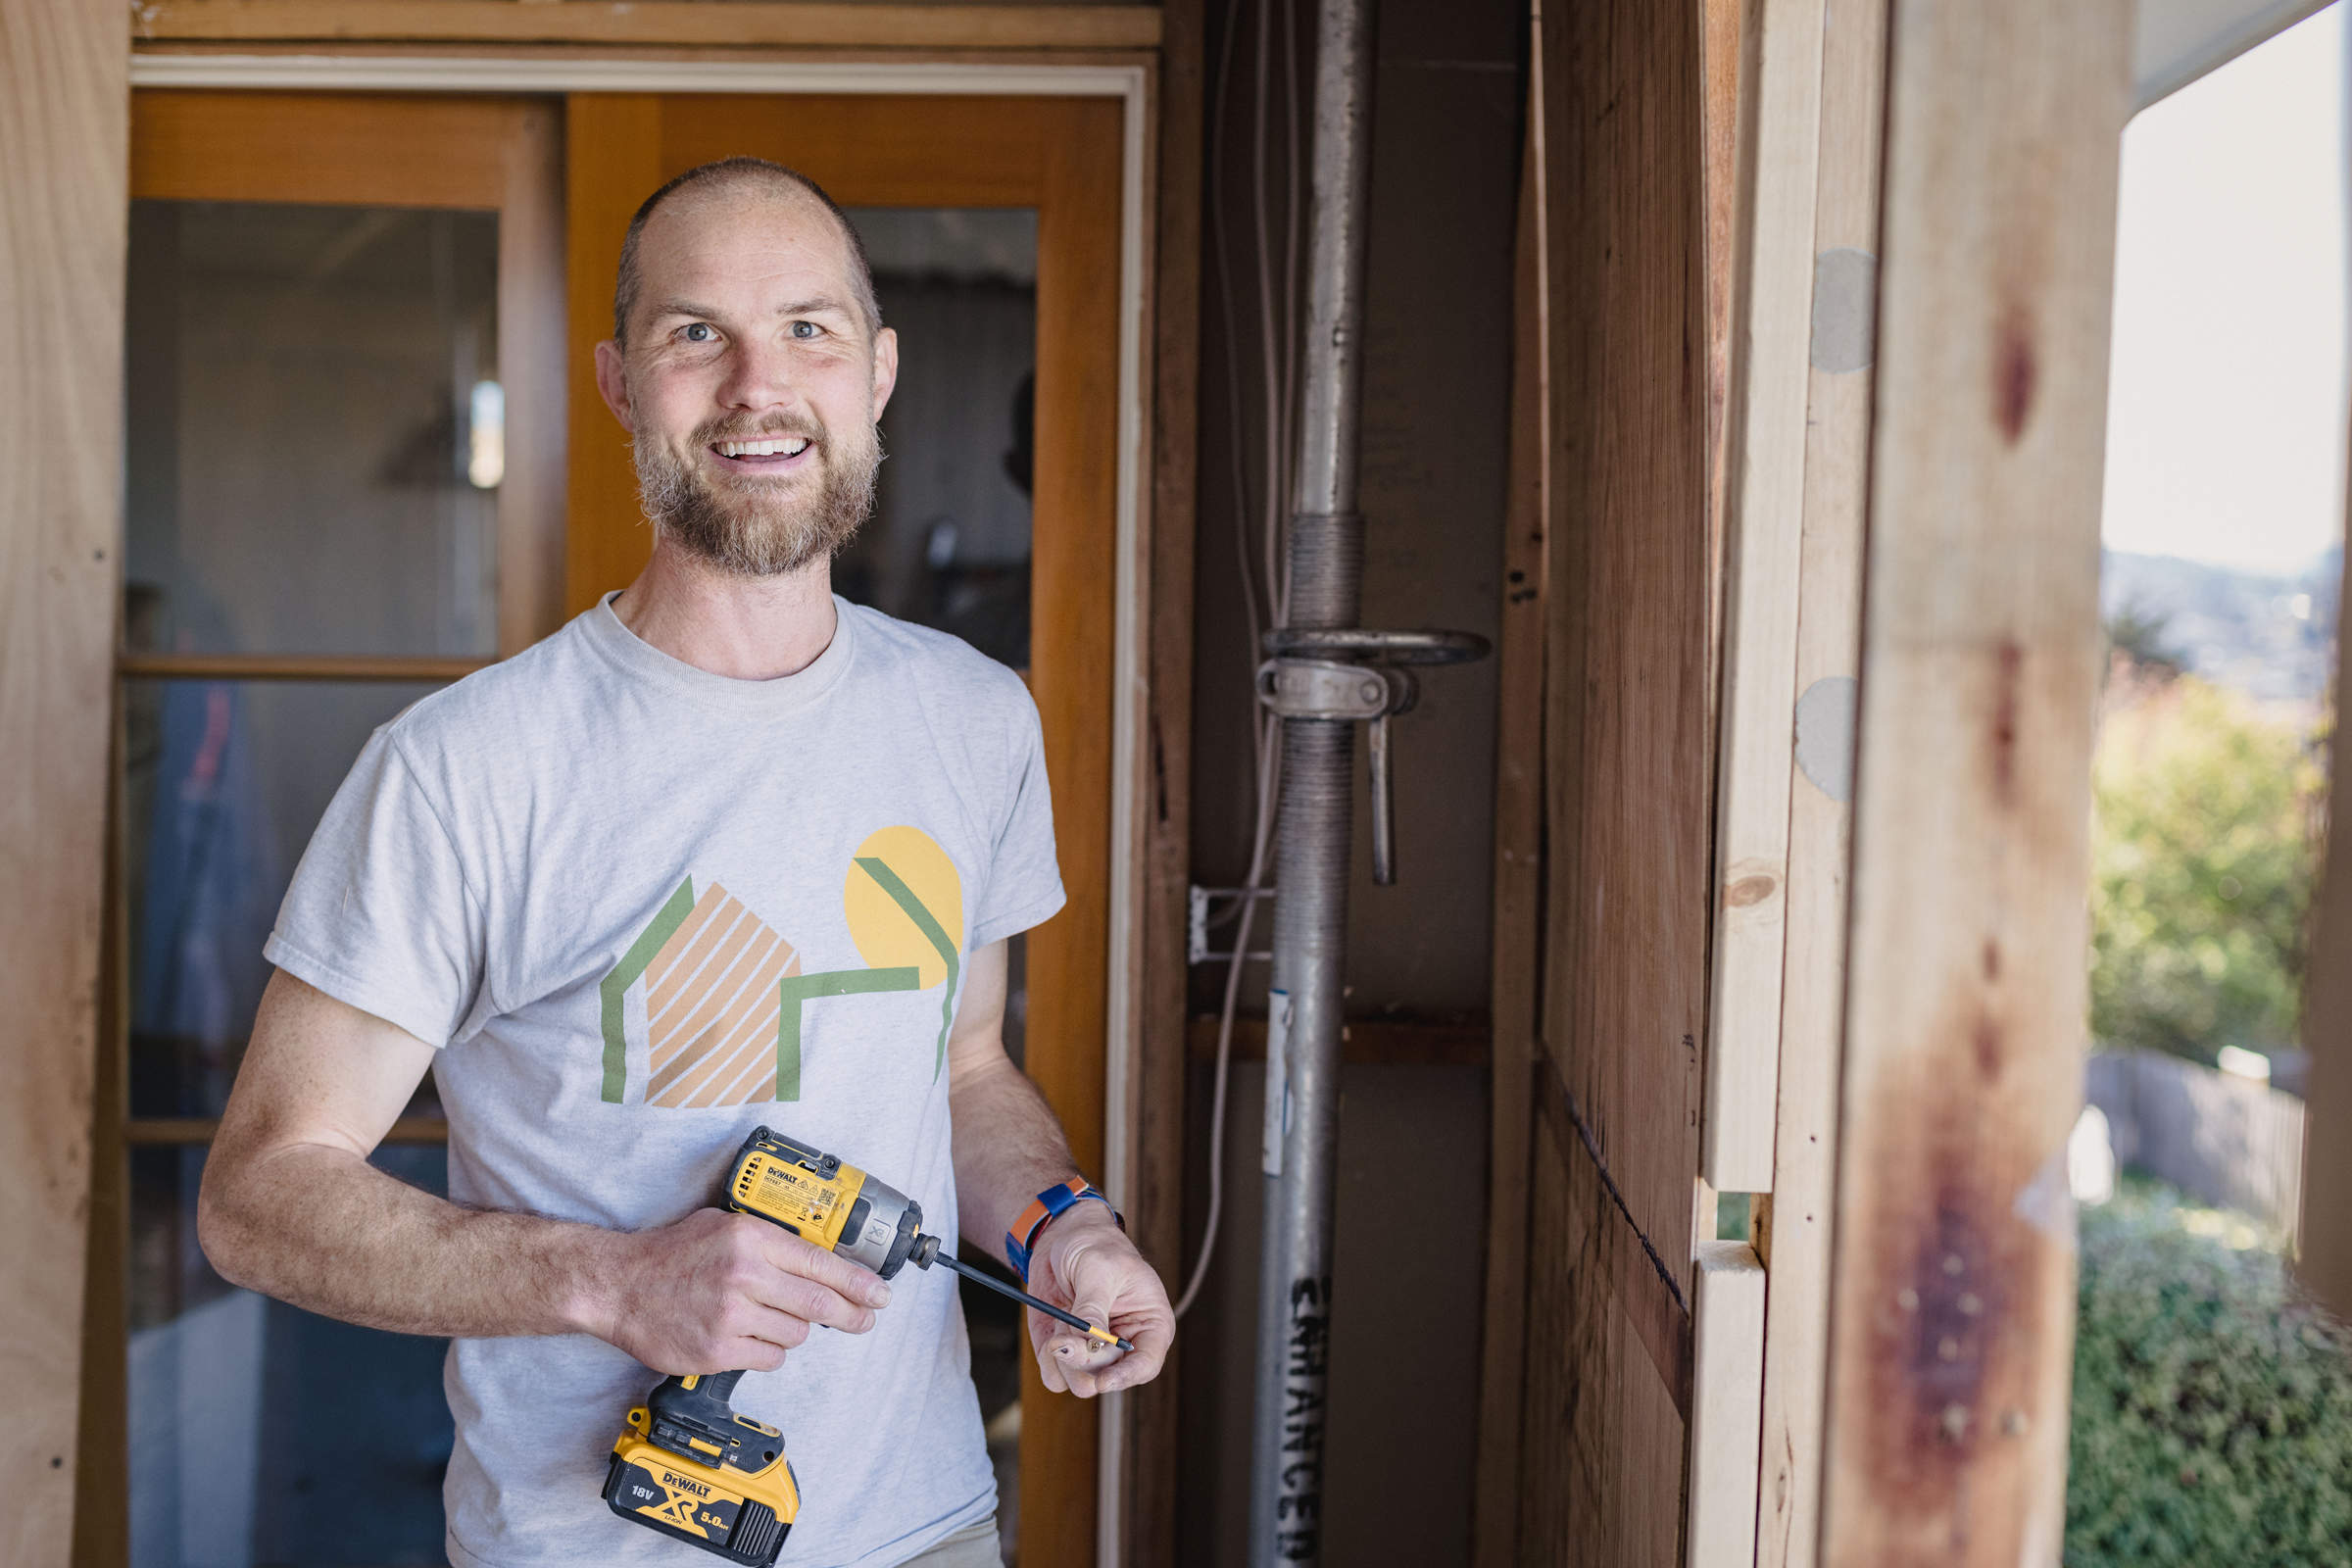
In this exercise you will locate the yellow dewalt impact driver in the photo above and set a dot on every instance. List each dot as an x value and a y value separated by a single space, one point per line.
686 1463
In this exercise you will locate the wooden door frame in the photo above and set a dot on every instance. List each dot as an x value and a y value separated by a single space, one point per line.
1143 644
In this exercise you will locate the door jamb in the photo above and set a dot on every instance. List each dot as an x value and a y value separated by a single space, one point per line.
1131 629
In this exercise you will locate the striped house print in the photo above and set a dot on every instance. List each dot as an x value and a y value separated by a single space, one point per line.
710 1006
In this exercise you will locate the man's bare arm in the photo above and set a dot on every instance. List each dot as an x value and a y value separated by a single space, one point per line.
291 1207
1008 1148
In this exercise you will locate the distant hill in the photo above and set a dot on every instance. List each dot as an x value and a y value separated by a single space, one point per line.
2270 637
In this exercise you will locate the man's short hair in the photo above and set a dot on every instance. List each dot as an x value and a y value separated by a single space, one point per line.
742 171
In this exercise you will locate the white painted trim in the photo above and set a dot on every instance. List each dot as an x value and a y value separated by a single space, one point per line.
1130 673
2175 42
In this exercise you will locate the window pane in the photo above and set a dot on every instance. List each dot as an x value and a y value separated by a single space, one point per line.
949 543
262 1434
222 783
315 429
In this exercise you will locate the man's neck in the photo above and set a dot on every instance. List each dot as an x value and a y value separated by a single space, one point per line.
746 628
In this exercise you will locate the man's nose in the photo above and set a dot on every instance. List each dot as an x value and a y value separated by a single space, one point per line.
759 377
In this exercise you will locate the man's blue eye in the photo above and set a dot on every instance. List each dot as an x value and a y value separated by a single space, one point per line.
803 329
700 332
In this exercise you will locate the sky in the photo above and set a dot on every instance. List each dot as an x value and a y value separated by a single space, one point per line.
2226 409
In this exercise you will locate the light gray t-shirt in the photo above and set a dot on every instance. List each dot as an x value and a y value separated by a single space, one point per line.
643 909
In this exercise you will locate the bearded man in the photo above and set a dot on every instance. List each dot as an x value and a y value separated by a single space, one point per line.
723 841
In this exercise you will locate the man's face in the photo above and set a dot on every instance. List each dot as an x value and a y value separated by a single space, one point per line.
750 384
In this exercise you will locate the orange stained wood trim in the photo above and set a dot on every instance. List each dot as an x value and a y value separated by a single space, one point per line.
291 666
1073 566
169 1131
531 358
1062 157
354 149
1645 1291
657 22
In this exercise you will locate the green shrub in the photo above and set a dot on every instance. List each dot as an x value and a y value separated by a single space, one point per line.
2212 1407
2202 860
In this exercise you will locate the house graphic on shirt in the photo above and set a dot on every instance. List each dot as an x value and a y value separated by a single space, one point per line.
725 992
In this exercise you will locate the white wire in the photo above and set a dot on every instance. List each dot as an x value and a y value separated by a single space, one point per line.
1278 358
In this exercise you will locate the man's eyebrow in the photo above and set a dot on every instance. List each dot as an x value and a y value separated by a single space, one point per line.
817 305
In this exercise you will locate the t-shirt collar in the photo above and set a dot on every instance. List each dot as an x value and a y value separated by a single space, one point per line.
752 699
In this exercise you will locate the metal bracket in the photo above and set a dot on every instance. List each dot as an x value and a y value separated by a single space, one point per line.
1196 926
1325 688
1347 673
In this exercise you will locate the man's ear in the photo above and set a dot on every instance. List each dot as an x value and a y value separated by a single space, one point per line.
613 383
886 369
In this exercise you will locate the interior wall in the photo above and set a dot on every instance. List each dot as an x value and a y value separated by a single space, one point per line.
1448 123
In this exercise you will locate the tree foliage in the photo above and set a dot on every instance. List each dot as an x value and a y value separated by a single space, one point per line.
2202 865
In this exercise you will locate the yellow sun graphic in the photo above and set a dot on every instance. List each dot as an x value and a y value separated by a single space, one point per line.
889 935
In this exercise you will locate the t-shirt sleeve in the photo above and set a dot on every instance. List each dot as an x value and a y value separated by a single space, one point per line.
1023 887
379 913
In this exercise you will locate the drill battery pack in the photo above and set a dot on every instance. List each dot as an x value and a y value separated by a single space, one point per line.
724 1486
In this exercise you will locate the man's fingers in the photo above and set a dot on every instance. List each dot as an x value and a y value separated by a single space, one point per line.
754 1355
1142 1363
796 1256
815 1302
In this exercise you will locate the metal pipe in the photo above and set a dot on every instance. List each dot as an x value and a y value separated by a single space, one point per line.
1314 827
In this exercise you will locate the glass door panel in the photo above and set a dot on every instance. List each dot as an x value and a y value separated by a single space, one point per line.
344 363
317 429
222 783
261 1433
949 543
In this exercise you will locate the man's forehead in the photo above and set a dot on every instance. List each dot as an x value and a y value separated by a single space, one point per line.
744 237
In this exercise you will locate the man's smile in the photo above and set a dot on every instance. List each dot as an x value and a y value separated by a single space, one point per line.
767 455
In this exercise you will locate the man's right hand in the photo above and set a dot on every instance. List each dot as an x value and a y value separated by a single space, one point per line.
718 1291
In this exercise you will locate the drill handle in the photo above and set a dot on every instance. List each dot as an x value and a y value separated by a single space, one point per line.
718 1386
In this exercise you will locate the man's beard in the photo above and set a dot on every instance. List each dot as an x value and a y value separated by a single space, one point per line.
757 526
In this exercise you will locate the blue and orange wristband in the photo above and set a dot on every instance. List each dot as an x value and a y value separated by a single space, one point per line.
1054 1201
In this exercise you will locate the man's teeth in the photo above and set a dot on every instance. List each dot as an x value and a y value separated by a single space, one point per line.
790 448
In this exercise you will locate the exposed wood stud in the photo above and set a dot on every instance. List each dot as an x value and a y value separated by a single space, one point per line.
1772 287
1150 1505
1726 1373
1812 1012
1980 669
1517 929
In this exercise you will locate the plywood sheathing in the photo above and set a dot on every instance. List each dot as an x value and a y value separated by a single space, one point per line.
64 228
1628 770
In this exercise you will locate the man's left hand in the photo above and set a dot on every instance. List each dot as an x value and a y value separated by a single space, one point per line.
1085 1263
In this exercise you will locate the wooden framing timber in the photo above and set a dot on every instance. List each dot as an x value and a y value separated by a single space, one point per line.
735 23
63 229
1145 1444
1727 1377
1952 1318
2324 1242
1812 1000
1516 938
1765 475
